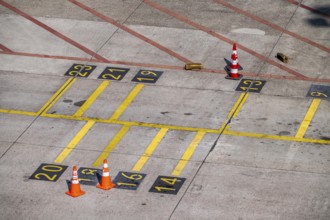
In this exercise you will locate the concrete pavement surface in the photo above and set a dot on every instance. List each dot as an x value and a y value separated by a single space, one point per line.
82 81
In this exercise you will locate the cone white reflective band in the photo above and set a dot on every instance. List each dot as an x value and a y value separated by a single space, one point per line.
234 71
106 174
75 181
234 62
105 165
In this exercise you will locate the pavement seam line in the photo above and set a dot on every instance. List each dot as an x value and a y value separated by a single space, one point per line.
123 106
188 154
72 144
131 31
112 144
308 118
150 149
91 98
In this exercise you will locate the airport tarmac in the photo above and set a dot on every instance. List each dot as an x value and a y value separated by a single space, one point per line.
82 81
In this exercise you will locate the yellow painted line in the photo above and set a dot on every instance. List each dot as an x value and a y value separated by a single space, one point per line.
308 118
132 123
17 112
240 105
61 157
92 98
150 149
235 109
56 96
112 144
127 102
187 154
232 111
172 127
275 137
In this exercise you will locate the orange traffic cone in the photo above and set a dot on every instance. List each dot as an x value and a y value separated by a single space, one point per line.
75 190
233 74
105 183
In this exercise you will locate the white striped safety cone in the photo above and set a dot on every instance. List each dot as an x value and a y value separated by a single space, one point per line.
233 74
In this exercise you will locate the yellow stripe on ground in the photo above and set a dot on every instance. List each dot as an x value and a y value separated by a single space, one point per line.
56 96
275 137
91 99
17 112
127 102
308 118
240 105
232 111
150 149
74 142
235 109
112 144
171 127
187 154
132 123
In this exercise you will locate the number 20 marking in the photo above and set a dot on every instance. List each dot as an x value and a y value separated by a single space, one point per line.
48 172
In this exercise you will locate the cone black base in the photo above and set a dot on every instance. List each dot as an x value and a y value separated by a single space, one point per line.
234 78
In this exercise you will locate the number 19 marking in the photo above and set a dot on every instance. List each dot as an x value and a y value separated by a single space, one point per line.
147 76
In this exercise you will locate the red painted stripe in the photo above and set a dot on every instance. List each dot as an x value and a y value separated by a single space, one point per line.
2 47
309 8
256 18
261 75
91 60
130 31
223 38
51 30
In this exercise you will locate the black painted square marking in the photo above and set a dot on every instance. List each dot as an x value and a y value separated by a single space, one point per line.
48 172
80 70
319 91
127 180
89 176
147 76
113 73
257 85
167 185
